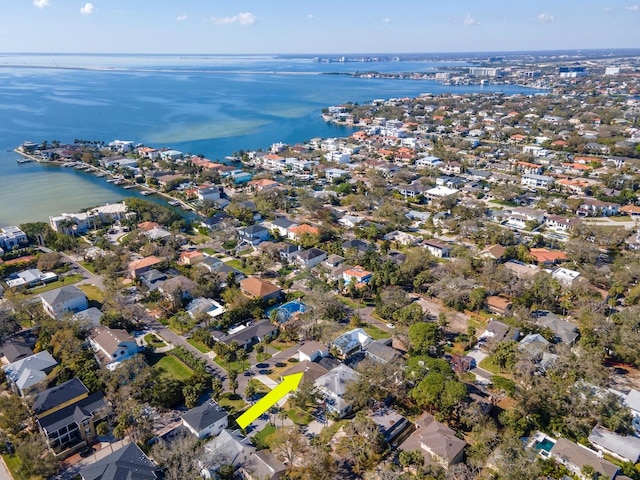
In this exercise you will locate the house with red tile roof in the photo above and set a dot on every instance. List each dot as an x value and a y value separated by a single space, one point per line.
255 287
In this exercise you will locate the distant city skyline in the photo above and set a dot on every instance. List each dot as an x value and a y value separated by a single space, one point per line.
287 26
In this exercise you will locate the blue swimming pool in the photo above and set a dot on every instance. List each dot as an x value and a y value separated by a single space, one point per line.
545 444
286 310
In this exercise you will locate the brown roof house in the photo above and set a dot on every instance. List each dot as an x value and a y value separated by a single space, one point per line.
138 267
498 305
258 288
437 442
179 285
112 345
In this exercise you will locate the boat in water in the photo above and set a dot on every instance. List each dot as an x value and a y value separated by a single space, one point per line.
146 192
24 160
174 203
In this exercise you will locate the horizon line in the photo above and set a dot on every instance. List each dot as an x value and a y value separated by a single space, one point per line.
459 52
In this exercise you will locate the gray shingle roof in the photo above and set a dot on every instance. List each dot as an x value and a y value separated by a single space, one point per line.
63 294
58 395
204 415
127 463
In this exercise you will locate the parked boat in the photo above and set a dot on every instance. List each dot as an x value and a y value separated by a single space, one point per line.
146 192
24 160
174 203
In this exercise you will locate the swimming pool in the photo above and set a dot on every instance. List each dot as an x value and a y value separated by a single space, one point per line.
546 444
287 310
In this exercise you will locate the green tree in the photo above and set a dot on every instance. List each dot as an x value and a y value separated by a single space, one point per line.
424 338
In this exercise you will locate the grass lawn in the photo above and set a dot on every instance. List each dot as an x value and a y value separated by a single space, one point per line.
68 280
490 366
351 303
200 346
376 333
295 294
261 357
232 403
154 341
237 264
232 366
13 464
246 251
89 266
279 345
209 251
259 386
170 366
93 293
301 276
299 417
261 439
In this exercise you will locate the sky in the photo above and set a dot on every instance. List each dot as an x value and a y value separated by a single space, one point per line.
315 26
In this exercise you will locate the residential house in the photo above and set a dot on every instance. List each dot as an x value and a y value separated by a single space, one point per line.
199 306
228 448
142 265
30 278
289 251
575 457
310 258
496 332
178 286
126 463
66 414
351 342
153 278
545 256
564 331
253 234
379 351
312 350
440 192
412 190
437 248
333 386
493 252
63 300
27 374
223 270
14 349
191 258
332 174
521 270
561 224
333 260
632 210
358 275
295 233
625 448
112 345
282 225
12 237
498 305
263 185
257 288
206 420
89 317
247 335
357 244
538 349
428 162
402 238
537 181
438 442
350 221
565 276
592 207
263 466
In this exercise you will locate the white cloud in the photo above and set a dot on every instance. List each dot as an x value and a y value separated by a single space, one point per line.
632 8
311 16
246 18
181 18
387 20
469 21
87 9
41 3
546 18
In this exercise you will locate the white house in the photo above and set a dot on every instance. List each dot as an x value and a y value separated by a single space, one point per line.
228 448
333 173
531 180
65 299
565 276
428 162
208 193
11 237
437 248
333 386
112 345
27 373
206 420
339 157
122 146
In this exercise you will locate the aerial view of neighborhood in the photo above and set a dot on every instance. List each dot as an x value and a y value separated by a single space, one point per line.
436 284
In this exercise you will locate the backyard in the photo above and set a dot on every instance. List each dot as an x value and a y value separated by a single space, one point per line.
170 366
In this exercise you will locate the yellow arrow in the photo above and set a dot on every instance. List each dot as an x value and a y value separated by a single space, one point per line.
288 384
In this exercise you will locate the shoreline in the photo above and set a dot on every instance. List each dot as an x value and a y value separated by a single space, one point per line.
107 174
